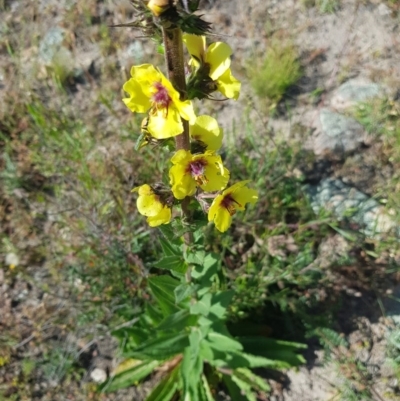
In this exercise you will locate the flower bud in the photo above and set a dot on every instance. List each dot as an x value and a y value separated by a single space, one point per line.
158 7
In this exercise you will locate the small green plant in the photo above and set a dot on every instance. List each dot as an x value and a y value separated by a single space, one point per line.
324 6
280 69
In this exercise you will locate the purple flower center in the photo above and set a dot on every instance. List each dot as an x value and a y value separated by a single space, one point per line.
228 202
161 98
197 168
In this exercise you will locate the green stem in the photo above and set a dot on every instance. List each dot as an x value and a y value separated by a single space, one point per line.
174 61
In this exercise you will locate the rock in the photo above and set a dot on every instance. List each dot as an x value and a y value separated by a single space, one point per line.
98 375
337 134
384 10
54 54
355 91
346 202
51 44
133 54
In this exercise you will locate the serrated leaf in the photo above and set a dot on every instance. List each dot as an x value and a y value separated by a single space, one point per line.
164 347
175 263
178 321
163 288
166 389
129 376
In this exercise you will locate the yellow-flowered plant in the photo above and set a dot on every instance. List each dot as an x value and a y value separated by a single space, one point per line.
182 335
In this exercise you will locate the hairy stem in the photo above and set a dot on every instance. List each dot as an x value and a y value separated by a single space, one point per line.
173 45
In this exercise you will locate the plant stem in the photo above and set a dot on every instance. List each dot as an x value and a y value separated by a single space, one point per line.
173 46
176 73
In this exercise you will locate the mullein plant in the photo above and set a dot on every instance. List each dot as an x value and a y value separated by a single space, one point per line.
182 338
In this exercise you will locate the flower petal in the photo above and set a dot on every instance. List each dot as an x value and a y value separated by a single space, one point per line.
228 85
222 219
216 180
164 217
137 100
196 45
206 130
218 57
243 196
165 123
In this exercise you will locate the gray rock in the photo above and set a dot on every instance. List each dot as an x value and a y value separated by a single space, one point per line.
51 44
344 201
337 134
384 10
355 91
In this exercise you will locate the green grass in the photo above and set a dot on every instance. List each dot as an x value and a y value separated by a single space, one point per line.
276 72
324 6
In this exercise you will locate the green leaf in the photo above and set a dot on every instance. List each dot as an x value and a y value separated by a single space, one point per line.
130 337
202 306
129 377
205 390
192 368
208 269
178 321
169 248
163 288
223 343
233 389
284 353
175 263
161 348
220 302
152 315
171 235
196 258
245 388
166 389
183 292
252 379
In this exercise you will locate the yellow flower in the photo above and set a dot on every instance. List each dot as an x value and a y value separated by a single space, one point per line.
225 204
151 205
206 132
201 170
215 60
149 90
